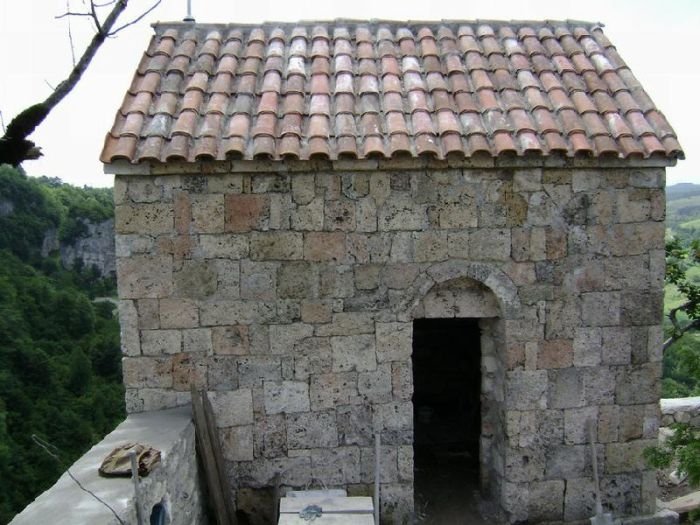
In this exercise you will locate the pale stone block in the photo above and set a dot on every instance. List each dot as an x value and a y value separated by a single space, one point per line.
308 217
376 386
283 337
246 212
189 370
253 370
197 340
271 183
587 346
149 313
585 180
457 216
339 215
220 313
524 464
126 245
579 500
303 188
355 425
312 356
237 443
286 397
489 244
228 278
178 313
608 420
259 280
404 461
399 212
232 408
527 180
145 276
546 502
147 372
458 244
566 389
577 422
230 340
627 457
196 279
366 215
337 282
600 308
394 341
207 213
388 463
129 328
367 276
336 466
324 246
354 352
395 421
401 248
312 430
144 219
555 353
316 312
332 390
160 342
599 385
296 280
284 246
647 178
399 276
638 384
230 246
430 246
280 211
617 348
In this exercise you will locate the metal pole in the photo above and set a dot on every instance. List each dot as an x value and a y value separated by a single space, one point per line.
189 18
135 478
377 466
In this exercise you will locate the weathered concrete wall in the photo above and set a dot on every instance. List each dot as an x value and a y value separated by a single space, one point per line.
290 297
174 483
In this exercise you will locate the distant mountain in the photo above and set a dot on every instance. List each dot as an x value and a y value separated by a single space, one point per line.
682 190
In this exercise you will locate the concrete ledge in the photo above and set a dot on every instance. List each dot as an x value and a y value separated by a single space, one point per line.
174 484
680 410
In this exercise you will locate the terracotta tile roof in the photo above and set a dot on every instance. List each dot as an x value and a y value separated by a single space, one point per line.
374 89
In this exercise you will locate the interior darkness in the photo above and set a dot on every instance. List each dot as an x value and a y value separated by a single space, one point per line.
447 418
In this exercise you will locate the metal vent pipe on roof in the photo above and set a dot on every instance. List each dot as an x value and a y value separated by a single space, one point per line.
189 17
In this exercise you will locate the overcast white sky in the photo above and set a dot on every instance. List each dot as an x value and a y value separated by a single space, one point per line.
657 39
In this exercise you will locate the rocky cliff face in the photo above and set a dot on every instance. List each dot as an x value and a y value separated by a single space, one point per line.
95 248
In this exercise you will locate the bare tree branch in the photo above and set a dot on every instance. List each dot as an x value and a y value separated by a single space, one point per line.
14 146
677 334
70 36
71 13
135 20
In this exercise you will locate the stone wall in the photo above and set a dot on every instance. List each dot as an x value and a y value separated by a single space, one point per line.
173 484
290 297
680 410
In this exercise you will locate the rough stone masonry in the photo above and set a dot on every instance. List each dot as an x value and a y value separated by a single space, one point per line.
290 295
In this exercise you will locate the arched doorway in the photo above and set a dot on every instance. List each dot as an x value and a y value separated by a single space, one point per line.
458 394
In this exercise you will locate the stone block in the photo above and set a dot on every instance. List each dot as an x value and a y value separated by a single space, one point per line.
280 211
402 379
207 213
189 369
524 464
246 212
457 216
271 183
237 443
430 246
296 280
337 282
232 408
375 386
308 217
228 246
312 356
355 425
339 215
219 313
489 244
286 397
283 337
222 373
579 500
324 246
303 188
395 422
616 349
577 422
394 341
565 388
526 389
366 215
144 219
316 311
404 460
337 466
627 457
178 313
608 423
142 276
639 384
128 245
230 340
197 340
399 212
600 308
160 342
147 372
312 430
196 280
388 464
367 276
555 353
259 280
546 502
399 276
587 346
129 328
276 246
329 390
354 352
270 436
642 308
253 370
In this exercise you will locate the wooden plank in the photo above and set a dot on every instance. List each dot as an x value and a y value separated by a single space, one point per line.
327 493
219 460
357 504
204 447
328 519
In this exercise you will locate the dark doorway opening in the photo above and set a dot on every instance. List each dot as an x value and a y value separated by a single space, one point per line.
447 418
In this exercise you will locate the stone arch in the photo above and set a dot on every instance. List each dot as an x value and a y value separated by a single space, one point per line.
456 271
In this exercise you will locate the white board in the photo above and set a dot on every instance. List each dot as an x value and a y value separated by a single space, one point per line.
329 505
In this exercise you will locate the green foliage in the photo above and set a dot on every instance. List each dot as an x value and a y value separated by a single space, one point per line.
60 361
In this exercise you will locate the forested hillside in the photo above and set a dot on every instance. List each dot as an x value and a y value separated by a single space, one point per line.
60 372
